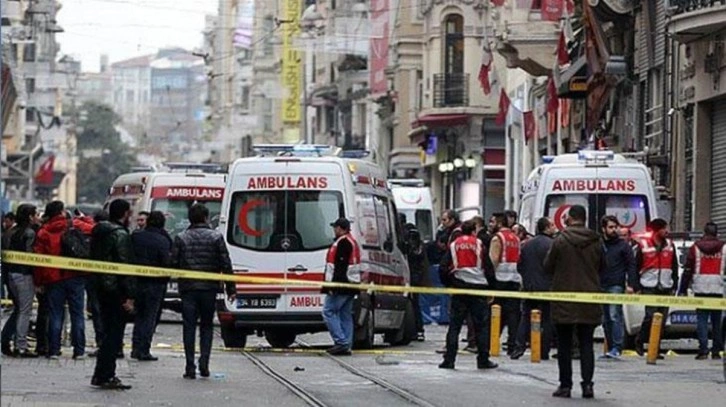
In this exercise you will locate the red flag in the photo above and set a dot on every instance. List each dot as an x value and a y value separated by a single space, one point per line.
44 175
486 64
552 10
563 58
553 102
498 3
504 103
529 130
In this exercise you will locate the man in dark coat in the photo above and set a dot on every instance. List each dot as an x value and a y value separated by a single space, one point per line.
110 241
200 248
574 262
418 265
531 268
152 247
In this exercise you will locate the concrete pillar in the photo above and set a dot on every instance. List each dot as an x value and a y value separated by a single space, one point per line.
702 163
678 167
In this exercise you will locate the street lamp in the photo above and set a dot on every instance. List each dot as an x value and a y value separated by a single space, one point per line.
458 163
470 162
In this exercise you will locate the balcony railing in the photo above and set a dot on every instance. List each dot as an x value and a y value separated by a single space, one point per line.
451 89
686 6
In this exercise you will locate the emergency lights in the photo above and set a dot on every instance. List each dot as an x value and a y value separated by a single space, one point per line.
595 155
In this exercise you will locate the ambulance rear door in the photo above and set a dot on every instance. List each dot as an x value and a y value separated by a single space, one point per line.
279 226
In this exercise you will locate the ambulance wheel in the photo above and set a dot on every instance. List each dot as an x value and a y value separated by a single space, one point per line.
364 337
233 337
407 332
279 338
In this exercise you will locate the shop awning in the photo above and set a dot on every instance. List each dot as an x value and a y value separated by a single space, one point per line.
441 120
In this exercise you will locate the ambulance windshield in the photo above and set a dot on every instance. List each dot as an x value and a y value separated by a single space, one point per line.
277 221
176 212
631 210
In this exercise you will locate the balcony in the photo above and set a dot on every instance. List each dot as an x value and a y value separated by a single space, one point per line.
451 90
525 39
694 19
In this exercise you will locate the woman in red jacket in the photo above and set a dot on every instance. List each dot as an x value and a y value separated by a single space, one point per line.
61 286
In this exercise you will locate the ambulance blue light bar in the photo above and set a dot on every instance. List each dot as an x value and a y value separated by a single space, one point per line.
355 153
548 159
596 158
292 149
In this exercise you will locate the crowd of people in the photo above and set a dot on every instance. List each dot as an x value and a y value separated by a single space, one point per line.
111 300
503 256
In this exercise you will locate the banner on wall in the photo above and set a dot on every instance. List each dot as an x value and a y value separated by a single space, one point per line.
291 63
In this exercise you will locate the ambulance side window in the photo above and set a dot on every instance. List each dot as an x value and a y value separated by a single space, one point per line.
368 225
526 213
385 222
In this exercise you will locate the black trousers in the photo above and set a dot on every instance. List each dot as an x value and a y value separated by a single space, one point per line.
461 307
112 315
147 312
417 313
545 325
41 324
94 308
198 305
511 310
584 335
644 333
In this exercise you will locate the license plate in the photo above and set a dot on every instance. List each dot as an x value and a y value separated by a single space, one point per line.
257 302
683 318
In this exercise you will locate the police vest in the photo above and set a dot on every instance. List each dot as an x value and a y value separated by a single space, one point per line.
507 269
354 269
709 271
466 252
656 268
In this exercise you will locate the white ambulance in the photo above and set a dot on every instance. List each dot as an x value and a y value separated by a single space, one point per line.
413 199
172 191
276 217
605 184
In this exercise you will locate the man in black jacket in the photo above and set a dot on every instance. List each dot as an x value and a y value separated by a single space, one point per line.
152 247
200 248
110 241
531 267
619 270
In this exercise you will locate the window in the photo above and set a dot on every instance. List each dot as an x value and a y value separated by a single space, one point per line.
176 212
245 98
423 219
631 210
29 52
130 96
277 221
526 214
454 43
30 115
376 222
30 85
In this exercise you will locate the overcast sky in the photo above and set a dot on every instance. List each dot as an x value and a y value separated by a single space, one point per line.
128 28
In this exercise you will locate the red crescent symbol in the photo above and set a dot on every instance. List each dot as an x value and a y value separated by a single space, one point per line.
558 216
635 220
408 200
242 218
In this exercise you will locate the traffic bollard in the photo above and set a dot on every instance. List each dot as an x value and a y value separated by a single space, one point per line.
535 336
654 340
494 332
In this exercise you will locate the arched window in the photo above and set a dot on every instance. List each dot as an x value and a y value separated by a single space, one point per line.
454 44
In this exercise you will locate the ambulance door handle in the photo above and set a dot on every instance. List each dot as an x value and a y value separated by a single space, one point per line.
299 268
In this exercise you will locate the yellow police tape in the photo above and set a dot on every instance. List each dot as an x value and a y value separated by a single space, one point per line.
30 259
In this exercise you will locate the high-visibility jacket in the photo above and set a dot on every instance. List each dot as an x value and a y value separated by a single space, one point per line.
507 269
708 272
354 268
656 268
466 256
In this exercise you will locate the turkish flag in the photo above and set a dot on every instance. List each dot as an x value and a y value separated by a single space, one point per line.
563 57
498 3
486 64
552 10
44 176
504 103
529 129
553 102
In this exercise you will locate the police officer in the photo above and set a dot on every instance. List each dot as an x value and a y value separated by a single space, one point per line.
468 271
504 253
704 273
658 269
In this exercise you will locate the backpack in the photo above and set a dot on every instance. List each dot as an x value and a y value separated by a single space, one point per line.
75 244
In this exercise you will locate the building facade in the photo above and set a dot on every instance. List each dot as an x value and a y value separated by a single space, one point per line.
131 89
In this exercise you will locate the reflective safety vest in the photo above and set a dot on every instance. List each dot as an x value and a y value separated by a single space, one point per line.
354 269
708 272
656 268
507 269
466 256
